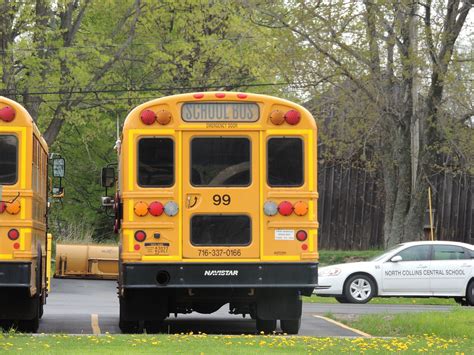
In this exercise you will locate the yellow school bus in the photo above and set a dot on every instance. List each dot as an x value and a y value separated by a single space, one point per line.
216 204
23 209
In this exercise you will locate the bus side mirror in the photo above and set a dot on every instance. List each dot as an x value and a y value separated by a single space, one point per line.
108 177
396 259
59 167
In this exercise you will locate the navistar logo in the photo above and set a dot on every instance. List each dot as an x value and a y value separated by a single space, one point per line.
221 273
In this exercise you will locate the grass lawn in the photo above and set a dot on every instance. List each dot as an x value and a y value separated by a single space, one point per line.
390 300
213 344
458 323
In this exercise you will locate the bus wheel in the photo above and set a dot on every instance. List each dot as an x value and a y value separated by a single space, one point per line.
31 325
129 327
266 326
6 325
154 327
290 326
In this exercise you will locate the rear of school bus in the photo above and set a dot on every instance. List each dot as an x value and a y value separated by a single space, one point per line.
217 196
23 196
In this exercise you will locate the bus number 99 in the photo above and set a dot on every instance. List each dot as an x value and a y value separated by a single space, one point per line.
218 199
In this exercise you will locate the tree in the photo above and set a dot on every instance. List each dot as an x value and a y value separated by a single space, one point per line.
396 56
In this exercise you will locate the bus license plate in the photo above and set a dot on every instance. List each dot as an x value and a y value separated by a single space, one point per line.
156 248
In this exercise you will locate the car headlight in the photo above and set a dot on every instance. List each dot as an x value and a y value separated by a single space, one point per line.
332 271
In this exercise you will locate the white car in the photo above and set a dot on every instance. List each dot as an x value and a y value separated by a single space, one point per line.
414 269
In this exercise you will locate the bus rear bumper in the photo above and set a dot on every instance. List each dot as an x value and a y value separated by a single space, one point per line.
15 274
303 276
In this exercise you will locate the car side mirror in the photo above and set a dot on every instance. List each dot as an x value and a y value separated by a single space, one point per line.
108 177
59 167
396 259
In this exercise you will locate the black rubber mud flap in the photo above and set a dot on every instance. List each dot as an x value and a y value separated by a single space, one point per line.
278 303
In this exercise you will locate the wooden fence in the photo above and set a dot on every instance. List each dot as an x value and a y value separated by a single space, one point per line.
351 202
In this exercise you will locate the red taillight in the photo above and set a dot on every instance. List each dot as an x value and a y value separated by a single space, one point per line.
13 234
285 208
3 207
301 235
7 114
156 208
292 117
140 236
148 117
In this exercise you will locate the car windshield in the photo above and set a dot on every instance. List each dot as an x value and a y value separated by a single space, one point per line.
385 253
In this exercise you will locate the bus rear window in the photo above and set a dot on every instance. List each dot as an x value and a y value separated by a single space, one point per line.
220 230
285 162
155 162
220 161
8 159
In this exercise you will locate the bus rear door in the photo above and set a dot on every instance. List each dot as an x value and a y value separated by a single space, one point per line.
221 195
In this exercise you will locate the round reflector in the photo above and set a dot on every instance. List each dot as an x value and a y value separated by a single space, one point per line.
304 246
148 117
140 236
270 208
16 245
301 235
171 208
137 247
285 208
277 117
3 207
301 208
163 117
7 114
13 234
292 117
156 208
141 209
14 207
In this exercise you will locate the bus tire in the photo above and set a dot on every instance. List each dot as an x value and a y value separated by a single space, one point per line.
155 327
266 325
290 326
129 327
470 293
31 325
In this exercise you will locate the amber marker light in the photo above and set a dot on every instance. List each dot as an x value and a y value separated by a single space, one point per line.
14 207
163 117
277 117
141 209
301 208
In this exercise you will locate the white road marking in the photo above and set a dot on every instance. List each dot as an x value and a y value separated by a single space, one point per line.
95 324
344 326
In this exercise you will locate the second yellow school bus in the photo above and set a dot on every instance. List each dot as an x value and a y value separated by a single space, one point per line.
216 204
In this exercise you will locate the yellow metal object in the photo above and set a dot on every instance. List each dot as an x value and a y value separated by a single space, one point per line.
86 261
48 261
173 242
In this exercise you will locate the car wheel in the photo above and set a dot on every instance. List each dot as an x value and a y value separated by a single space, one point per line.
359 289
341 299
470 293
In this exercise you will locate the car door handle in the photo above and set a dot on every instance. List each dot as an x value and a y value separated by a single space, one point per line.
422 266
466 265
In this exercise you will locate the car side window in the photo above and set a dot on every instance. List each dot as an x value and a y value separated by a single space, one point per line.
449 252
416 253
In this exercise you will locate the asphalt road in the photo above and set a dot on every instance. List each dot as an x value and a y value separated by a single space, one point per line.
91 306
